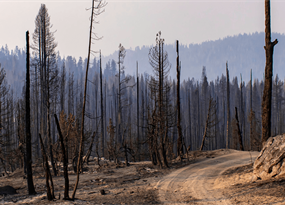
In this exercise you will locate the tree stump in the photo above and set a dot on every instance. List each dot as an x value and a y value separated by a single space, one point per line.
269 163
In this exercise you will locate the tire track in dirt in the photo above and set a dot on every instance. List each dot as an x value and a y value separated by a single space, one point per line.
195 183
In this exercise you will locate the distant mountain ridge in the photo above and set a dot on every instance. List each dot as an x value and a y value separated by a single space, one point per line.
243 52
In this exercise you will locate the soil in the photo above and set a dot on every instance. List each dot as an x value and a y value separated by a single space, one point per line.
207 177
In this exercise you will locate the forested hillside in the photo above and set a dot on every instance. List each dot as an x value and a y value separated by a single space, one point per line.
200 86
243 52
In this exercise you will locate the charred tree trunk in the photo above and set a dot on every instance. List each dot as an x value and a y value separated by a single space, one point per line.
228 107
189 113
238 131
138 117
49 137
179 140
251 115
163 127
88 153
65 160
50 190
84 102
206 126
267 92
102 113
30 182
242 111
119 140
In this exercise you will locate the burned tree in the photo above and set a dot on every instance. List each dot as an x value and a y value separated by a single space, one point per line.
121 89
210 121
179 140
138 115
162 114
95 11
228 106
44 49
238 130
65 160
50 187
112 143
30 182
122 101
267 92
102 113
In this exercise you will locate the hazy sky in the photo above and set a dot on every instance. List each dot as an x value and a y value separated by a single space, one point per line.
136 22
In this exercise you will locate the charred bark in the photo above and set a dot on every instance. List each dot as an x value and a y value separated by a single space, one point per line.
65 160
206 126
228 107
50 189
102 113
30 182
179 140
238 131
267 92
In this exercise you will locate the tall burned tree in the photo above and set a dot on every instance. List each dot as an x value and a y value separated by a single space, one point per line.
267 92
242 110
102 113
251 114
138 115
30 182
121 56
160 95
65 159
44 48
179 140
96 10
228 106
122 101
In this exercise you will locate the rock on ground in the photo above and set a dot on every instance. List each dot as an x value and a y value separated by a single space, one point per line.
269 163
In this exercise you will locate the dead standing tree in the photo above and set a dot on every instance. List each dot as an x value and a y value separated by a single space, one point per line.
50 188
102 113
30 182
121 89
160 90
238 131
112 144
96 10
210 121
179 140
65 160
267 92
228 107
138 115
44 48
122 54
88 153
122 101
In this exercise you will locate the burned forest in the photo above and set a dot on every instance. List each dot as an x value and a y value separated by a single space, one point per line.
88 130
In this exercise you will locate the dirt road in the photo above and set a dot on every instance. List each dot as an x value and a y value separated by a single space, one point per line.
197 183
